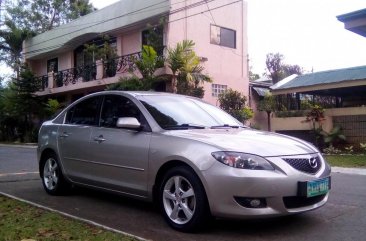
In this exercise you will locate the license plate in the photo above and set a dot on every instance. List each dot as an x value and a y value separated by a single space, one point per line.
315 188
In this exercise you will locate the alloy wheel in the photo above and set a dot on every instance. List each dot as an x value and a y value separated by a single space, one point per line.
50 174
179 200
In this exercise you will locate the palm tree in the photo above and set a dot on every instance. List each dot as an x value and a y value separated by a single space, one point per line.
175 59
193 75
185 66
11 45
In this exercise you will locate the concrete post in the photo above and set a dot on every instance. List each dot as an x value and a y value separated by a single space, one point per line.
51 80
100 69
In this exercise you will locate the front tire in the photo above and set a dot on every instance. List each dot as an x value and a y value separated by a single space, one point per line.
53 180
183 200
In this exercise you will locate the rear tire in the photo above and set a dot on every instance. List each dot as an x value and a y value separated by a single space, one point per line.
182 200
53 180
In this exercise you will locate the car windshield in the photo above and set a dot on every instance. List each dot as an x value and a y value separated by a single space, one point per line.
176 112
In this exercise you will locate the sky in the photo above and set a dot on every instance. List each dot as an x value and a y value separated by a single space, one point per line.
305 32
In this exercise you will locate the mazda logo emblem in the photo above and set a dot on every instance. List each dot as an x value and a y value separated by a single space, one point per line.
313 162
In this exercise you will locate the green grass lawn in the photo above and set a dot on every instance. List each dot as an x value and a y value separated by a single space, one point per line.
346 160
20 221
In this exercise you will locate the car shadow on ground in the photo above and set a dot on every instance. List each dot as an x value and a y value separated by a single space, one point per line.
150 214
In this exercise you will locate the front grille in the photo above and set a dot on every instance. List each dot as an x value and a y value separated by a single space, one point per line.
309 165
298 202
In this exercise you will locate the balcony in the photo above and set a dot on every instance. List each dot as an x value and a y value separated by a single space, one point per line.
100 73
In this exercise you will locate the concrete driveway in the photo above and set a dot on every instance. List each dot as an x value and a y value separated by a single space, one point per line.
343 217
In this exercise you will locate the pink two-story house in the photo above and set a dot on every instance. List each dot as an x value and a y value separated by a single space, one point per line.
218 28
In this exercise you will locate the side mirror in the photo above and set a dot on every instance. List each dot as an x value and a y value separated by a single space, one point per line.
128 123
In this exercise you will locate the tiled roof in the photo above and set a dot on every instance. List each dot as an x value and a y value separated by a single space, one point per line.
326 77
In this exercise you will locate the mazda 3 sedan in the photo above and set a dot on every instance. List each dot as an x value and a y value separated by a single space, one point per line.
190 157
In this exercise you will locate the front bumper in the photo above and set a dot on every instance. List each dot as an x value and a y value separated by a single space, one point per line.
279 189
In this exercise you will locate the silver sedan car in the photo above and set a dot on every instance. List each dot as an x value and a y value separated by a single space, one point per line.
190 157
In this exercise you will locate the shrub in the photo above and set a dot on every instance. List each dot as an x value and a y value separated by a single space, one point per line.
255 126
267 104
284 114
363 146
315 116
334 136
331 150
306 105
233 102
349 149
128 84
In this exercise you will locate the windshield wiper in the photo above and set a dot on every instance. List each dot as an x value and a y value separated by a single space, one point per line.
226 126
184 127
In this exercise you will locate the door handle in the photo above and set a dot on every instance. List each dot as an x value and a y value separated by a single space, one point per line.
64 135
99 139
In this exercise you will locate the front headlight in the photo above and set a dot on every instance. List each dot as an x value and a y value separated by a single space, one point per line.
242 160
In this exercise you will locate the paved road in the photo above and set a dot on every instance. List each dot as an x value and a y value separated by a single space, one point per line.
343 218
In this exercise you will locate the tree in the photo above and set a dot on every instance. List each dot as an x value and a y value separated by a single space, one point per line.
274 66
27 18
315 116
190 78
175 59
253 76
21 105
154 35
292 69
267 104
192 73
333 136
52 107
11 45
189 83
278 70
128 84
234 103
43 15
106 53
187 71
24 19
79 8
146 65
8 123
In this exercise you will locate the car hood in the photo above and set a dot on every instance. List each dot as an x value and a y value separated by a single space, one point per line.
248 141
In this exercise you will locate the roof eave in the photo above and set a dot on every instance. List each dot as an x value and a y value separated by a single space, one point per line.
317 87
119 16
352 15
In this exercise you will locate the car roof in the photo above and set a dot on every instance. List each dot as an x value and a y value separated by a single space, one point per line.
138 93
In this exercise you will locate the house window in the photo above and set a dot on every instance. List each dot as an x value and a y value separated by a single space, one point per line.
52 65
82 58
223 36
154 37
218 89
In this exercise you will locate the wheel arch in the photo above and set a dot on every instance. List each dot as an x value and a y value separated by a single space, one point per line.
167 166
46 152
